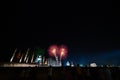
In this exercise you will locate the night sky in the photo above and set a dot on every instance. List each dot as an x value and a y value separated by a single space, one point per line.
90 33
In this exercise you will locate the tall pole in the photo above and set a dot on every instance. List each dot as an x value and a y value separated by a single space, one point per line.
21 59
13 55
26 54
27 59
32 58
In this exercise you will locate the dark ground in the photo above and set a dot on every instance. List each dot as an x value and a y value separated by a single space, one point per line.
60 73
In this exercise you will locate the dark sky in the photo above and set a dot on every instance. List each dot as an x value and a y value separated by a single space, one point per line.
88 29
92 33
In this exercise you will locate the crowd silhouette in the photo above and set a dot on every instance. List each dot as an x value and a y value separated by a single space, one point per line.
60 73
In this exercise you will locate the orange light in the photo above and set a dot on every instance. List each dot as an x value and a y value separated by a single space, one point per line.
54 51
62 51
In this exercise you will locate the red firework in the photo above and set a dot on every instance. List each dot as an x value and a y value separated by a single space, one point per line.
53 50
63 52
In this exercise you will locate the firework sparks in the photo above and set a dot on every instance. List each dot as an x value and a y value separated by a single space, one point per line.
53 50
63 52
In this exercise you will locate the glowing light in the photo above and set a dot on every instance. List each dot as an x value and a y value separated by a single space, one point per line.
21 58
58 52
81 65
27 59
53 50
93 65
39 59
13 55
19 65
40 56
32 58
46 62
68 63
63 52
26 54
72 65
